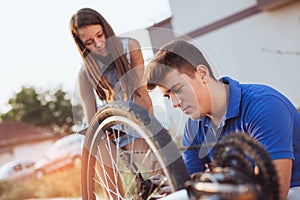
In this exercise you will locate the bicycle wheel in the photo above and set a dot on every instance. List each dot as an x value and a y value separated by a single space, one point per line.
113 171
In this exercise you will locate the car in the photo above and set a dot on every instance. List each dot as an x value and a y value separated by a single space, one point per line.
65 152
17 170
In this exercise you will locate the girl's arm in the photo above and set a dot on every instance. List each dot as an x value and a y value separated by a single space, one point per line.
87 96
141 95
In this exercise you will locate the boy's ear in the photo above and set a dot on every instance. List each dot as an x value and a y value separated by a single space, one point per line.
203 71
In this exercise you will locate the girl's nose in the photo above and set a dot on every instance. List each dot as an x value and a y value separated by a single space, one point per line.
98 43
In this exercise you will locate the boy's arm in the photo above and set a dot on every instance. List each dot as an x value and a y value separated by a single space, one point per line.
284 171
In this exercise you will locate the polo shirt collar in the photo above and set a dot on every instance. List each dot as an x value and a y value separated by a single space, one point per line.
235 94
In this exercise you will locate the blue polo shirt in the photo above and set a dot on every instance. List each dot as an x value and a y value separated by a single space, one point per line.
264 113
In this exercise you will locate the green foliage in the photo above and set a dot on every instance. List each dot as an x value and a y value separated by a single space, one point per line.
64 183
51 109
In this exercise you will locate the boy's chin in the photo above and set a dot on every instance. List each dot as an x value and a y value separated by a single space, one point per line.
195 116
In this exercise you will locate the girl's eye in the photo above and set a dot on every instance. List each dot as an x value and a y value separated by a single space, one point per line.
88 43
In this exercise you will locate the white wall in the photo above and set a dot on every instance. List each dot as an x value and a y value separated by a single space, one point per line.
264 48
190 15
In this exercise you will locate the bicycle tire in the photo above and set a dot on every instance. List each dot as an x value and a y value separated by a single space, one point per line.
157 138
248 152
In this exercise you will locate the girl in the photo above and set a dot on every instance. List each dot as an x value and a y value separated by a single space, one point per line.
113 66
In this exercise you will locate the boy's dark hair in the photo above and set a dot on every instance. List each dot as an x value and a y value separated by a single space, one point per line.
179 55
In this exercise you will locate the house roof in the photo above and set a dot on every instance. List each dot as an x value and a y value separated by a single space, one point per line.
15 132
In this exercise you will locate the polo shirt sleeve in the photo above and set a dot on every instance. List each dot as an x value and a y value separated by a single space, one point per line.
193 161
270 121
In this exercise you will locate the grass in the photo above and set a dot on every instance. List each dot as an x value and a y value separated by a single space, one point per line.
64 183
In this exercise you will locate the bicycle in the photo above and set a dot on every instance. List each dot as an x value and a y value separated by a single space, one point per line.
113 171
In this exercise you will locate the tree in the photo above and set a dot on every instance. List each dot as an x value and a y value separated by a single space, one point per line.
50 109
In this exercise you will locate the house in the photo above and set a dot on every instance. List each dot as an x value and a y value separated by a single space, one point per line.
20 141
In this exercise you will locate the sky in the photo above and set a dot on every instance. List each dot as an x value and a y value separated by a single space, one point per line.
36 45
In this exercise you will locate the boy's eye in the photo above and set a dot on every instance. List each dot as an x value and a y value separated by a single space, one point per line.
176 90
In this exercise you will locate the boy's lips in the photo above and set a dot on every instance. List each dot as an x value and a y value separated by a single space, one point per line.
184 109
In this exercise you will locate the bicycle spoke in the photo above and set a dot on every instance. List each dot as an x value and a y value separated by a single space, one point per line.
138 170
106 175
108 148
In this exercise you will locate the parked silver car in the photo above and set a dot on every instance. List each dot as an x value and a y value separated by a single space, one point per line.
17 170
65 152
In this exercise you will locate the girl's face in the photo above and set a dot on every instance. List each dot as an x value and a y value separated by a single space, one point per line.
92 36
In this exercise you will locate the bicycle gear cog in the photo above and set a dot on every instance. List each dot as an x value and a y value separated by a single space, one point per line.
242 152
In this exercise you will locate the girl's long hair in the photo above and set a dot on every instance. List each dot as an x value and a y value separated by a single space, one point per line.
104 90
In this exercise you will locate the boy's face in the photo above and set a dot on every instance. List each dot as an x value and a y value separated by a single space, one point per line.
191 95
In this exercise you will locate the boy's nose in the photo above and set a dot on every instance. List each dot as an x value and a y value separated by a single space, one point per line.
176 101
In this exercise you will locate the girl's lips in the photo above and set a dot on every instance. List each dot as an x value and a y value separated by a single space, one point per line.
102 51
